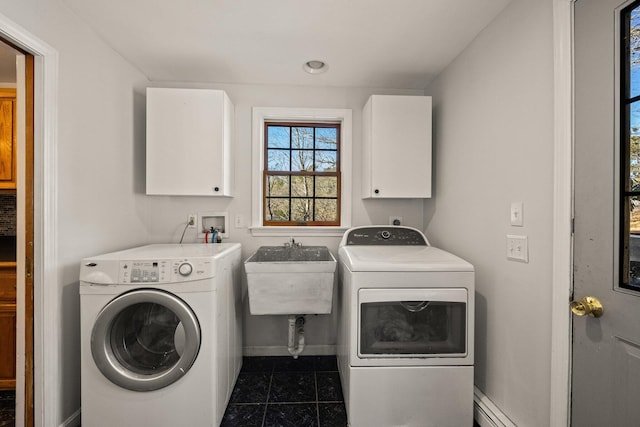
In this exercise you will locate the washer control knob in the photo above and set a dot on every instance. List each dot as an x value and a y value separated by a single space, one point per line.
385 234
185 269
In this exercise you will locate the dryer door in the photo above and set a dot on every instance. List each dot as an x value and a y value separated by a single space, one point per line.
145 339
413 324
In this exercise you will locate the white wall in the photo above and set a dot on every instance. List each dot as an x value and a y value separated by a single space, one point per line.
493 144
98 209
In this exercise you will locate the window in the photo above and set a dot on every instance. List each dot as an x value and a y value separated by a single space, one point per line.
302 171
630 148
301 175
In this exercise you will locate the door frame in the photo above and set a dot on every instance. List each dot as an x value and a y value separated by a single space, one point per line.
46 301
562 268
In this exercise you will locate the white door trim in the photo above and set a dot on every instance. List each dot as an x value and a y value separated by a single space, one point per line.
46 298
562 214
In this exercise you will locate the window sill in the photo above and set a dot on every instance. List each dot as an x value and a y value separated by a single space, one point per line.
298 231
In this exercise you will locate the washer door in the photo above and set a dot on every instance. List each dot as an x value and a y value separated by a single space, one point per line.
145 340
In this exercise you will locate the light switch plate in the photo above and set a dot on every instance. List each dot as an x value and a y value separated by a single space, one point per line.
517 248
516 214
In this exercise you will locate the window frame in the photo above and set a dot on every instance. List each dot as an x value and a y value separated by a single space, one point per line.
300 115
624 192
291 173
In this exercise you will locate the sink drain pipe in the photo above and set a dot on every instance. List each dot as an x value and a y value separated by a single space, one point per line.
296 335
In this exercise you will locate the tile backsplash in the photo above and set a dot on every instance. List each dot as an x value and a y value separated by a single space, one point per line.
7 214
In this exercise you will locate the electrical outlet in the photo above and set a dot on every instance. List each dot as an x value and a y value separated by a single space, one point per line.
395 220
517 248
192 220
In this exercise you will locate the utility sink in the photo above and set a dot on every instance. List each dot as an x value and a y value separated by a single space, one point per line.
290 280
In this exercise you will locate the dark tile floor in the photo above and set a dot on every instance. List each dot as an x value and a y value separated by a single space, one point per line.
270 392
7 408
287 392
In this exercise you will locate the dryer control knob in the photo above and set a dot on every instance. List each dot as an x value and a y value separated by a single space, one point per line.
185 269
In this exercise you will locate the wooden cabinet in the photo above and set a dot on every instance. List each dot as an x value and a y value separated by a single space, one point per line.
189 142
396 147
8 139
7 327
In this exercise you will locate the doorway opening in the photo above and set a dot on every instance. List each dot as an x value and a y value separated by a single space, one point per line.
17 232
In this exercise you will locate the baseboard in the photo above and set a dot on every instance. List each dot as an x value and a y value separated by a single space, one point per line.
309 350
73 420
486 413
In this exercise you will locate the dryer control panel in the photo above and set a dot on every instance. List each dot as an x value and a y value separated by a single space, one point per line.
385 236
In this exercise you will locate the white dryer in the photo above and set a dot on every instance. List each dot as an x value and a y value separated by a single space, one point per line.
405 330
160 335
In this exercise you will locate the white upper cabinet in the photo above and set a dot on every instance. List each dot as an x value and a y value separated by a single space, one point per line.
396 147
189 142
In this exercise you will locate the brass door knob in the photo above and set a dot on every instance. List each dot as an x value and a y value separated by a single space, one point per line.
587 306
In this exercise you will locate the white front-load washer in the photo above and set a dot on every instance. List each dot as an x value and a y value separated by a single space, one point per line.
160 334
405 330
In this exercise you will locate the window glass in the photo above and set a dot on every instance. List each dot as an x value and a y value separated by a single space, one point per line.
326 160
302 160
326 210
326 186
413 327
633 53
302 186
278 137
277 210
326 138
302 174
302 137
630 148
278 160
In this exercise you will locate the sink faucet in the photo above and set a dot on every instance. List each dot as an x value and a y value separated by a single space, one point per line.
292 243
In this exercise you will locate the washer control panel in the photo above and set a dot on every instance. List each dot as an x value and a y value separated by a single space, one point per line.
385 236
165 271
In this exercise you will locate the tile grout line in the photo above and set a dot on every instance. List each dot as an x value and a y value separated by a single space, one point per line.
315 381
266 404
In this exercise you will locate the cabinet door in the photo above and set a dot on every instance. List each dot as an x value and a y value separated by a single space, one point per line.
7 285
8 141
189 142
397 147
7 346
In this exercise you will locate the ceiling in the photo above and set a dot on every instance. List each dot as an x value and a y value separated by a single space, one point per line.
366 43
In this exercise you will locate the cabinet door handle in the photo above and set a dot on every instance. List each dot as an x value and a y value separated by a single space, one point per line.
376 191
